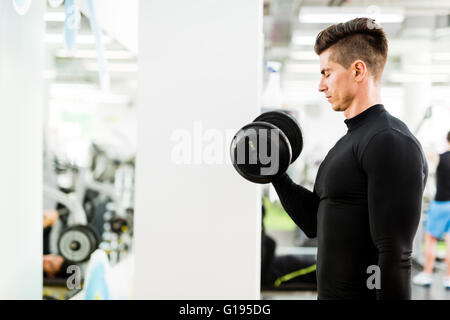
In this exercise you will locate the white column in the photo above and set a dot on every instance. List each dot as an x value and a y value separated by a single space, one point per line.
21 101
197 225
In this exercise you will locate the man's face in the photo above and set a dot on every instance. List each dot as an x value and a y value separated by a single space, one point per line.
337 83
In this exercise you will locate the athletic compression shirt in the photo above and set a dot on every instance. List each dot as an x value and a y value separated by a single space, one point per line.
365 208
443 178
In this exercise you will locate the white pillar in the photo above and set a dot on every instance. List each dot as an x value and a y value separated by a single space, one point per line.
197 225
21 60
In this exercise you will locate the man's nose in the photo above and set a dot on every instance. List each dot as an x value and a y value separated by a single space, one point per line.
322 86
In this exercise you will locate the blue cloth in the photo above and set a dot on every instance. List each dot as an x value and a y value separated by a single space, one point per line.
97 286
437 221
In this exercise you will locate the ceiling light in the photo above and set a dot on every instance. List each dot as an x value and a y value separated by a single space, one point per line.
300 40
113 67
303 55
81 38
441 56
299 84
55 16
427 69
413 78
343 14
303 68
93 54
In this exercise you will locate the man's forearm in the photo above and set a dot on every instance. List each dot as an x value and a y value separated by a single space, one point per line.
300 203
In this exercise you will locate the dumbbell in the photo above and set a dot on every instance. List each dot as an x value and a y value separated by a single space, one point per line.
263 150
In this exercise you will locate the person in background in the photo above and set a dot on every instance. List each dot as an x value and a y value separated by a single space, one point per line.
50 217
54 265
437 223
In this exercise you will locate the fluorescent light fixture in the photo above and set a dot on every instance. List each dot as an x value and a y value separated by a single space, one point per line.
342 14
442 32
427 69
55 16
293 84
92 54
56 38
441 56
303 55
411 78
303 40
89 93
61 90
303 68
113 67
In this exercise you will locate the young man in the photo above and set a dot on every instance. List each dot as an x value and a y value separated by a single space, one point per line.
366 202
437 223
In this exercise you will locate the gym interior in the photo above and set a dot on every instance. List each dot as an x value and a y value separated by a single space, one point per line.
118 117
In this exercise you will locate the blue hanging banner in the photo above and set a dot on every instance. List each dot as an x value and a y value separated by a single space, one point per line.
22 6
103 74
71 25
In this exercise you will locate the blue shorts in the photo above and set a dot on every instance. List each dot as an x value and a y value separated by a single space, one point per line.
437 221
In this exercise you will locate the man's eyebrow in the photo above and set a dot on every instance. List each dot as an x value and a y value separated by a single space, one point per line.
324 70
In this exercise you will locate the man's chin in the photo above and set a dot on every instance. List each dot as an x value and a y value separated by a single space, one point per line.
339 107
335 107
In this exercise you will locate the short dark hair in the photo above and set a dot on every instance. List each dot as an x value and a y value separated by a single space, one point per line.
360 38
448 136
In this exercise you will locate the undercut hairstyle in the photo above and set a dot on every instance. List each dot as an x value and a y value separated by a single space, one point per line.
357 39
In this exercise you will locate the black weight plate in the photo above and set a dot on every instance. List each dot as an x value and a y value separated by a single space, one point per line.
252 152
96 236
76 244
290 127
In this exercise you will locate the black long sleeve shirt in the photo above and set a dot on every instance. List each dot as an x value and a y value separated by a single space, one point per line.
365 208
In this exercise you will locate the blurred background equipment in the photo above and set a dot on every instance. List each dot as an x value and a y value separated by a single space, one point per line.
90 131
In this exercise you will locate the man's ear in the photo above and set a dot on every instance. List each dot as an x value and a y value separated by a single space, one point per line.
359 69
